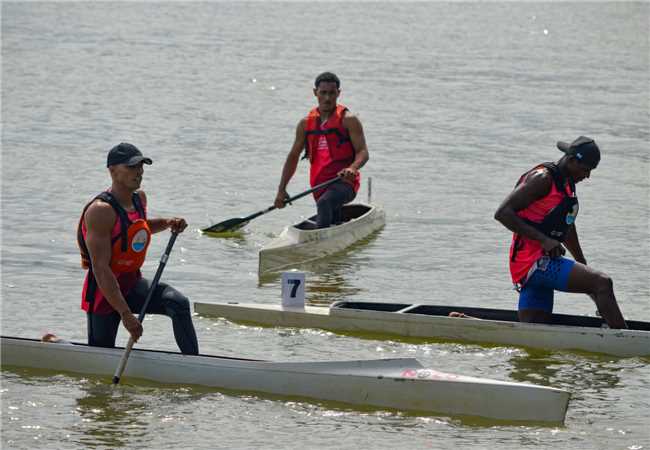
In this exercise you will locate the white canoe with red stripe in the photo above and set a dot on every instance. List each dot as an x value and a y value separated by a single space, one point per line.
393 384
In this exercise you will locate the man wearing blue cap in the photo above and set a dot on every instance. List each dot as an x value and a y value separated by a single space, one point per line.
541 213
114 233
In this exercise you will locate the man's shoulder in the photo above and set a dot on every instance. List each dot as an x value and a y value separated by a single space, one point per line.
539 177
540 170
302 124
543 172
100 208
351 120
99 217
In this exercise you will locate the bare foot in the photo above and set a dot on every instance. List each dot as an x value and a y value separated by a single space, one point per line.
49 337
463 315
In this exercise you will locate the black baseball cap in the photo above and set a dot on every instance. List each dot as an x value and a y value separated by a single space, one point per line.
126 154
584 149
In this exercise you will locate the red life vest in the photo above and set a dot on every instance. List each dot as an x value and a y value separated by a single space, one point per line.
340 154
130 240
551 214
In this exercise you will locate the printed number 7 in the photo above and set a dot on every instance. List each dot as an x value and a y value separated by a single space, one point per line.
296 284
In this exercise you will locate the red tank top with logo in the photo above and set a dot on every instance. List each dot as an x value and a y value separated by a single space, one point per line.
524 252
328 147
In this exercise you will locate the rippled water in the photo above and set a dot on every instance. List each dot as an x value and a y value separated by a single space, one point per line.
457 100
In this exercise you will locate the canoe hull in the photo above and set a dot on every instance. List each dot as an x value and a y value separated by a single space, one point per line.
296 246
623 343
401 384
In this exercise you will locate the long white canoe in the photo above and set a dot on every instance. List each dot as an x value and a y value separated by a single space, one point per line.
496 326
303 242
395 384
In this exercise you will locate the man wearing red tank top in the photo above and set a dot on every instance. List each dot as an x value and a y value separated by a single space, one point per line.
113 235
541 213
333 140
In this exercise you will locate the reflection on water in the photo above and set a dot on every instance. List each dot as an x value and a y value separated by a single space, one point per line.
580 374
326 281
112 416
535 368
594 382
330 279
103 415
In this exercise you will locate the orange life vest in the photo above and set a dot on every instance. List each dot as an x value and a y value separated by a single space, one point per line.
130 240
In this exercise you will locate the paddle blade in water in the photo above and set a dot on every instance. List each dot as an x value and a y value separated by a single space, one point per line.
224 234
225 226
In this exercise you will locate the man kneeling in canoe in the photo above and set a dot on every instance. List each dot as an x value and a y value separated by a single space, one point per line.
113 236
541 212
334 142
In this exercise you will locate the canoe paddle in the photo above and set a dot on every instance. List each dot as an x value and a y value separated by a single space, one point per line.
154 285
231 225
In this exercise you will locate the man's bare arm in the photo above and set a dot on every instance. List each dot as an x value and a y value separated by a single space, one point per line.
536 186
358 139
291 163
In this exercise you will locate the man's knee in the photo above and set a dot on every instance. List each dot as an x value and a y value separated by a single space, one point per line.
181 303
324 202
603 283
176 302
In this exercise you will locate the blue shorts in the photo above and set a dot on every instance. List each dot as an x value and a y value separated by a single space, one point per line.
551 275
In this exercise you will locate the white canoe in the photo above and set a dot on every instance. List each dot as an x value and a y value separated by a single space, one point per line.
302 242
497 326
395 384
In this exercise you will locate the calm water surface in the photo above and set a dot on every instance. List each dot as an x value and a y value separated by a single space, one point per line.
457 100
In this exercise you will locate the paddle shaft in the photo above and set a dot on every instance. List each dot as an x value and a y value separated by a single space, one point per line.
233 224
295 197
154 284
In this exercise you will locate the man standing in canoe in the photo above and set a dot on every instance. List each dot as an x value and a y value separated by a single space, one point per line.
541 211
113 236
334 142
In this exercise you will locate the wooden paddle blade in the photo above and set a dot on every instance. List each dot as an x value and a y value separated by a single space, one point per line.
225 226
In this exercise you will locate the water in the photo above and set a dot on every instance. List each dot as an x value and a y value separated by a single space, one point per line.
457 100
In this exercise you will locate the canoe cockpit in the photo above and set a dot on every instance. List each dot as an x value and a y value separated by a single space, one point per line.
348 212
479 313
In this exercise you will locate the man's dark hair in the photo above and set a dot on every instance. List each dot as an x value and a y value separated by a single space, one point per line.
327 77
